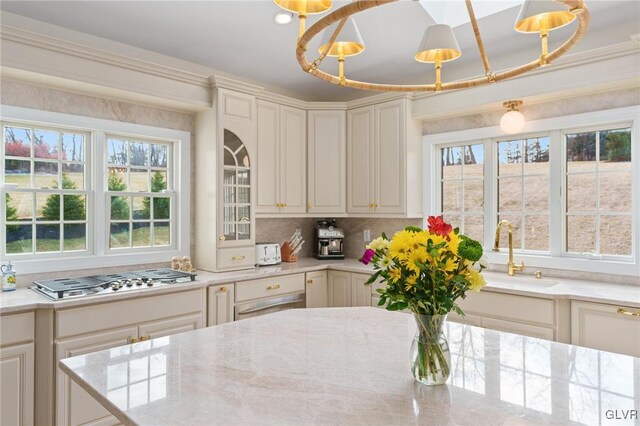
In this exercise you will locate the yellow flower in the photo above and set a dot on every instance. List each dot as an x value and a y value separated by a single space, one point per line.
410 282
454 241
395 274
400 245
476 280
418 255
378 244
450 265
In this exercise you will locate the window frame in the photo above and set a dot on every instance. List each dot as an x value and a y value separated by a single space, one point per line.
98 253
556 128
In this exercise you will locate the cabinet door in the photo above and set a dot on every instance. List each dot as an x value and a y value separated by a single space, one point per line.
360 292
326 165
317 290
389 163
170 326
17 384
293 160
339 289
220 304
74 406
605 327
360 160
268 158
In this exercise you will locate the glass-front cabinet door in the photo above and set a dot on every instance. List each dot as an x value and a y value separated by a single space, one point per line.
236 190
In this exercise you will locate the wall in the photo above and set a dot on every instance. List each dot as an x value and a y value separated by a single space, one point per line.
575 105
48 99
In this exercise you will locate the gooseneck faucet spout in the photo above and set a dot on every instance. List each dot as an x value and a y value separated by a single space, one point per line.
511 266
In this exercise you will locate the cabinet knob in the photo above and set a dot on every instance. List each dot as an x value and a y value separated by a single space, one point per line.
273 287
309 205
284 205
145 337
133 340
375 206
223 289
221 238
237 258
309 281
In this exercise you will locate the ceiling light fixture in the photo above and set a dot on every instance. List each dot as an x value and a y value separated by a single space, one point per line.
438 44
512 121
283 18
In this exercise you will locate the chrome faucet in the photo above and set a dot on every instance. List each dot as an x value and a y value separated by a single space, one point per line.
511 267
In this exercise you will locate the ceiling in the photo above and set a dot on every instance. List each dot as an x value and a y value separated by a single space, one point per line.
241 38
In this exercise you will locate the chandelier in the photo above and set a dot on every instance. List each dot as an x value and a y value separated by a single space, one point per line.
438 45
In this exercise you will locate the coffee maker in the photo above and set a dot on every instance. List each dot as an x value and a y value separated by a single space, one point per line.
329 240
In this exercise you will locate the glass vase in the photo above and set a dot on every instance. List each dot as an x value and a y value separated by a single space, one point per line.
430 357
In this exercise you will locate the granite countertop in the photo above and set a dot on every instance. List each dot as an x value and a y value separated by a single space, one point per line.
351 366
24 299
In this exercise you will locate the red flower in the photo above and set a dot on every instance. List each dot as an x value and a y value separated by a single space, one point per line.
367 257
438 226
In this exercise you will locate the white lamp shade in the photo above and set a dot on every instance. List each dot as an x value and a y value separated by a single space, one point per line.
348 43
438 44
512 122
537 14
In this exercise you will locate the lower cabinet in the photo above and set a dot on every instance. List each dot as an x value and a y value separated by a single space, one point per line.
317 290
606 327
17 368
348 289
111 325
220 304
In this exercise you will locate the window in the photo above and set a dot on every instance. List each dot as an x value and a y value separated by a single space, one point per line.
46 204
569 188
137 182
599 192
523 191
90 193
462 186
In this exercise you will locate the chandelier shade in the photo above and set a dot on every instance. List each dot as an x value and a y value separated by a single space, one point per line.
438 44
304 7
348 43
538 16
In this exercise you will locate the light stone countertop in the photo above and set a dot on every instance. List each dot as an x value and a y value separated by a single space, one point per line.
351 366
25 299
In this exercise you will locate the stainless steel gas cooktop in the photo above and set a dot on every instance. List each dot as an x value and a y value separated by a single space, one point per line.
65 288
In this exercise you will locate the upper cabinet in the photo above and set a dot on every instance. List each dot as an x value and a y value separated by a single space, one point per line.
384 160
281 147
326 162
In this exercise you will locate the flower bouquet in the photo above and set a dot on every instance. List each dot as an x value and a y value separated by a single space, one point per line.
426 271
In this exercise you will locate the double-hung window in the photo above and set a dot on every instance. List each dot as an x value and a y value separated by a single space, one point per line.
89 193
569 188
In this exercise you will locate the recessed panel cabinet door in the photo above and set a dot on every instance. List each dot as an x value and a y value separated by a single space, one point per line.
317 290
17 383
170 326
360 157
74 406
326 157
268 163
360 292
339 289
293 160
390 157
220 304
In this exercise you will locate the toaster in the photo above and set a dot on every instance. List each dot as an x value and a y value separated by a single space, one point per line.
267 254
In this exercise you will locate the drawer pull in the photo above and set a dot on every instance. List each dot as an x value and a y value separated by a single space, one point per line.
273 287
309 281
625 312
236 258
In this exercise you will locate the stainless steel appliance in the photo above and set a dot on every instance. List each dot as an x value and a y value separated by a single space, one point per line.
267 306
329 240
267 254
66 288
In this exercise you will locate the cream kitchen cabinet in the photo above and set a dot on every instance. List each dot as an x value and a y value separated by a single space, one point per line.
17 369
606 327
317 290
326 162
384 160
113 325
220 299
348 289
281 159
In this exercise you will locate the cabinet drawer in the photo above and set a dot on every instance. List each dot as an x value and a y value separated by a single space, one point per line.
17 328
257 289
517 328
236 258
108 316
524 309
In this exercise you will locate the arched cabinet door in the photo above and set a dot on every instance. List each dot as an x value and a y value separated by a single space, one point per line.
236 223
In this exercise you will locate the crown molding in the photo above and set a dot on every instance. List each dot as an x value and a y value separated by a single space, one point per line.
224 82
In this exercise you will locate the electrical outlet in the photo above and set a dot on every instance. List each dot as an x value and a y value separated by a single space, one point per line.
367 235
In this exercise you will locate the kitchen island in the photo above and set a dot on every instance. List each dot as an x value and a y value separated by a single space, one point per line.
351 366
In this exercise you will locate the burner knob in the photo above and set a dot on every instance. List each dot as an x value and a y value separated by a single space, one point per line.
115 286
149 283
128 283
139 282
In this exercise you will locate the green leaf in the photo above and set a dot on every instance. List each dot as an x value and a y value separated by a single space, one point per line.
373 278
381 302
